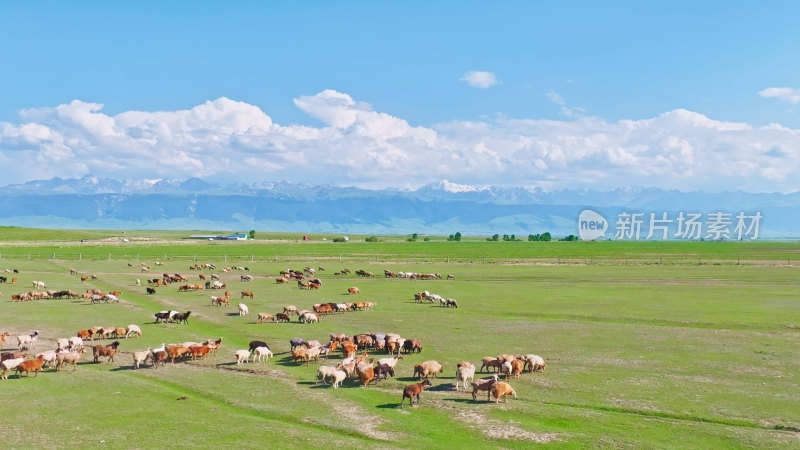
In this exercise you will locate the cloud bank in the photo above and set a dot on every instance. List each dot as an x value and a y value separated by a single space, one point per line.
228 140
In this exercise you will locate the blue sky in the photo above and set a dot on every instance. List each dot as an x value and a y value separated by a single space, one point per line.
685 95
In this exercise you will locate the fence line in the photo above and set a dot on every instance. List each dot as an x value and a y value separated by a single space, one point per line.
405 259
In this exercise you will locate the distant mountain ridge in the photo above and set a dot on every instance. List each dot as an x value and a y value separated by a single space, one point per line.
441 191
441 208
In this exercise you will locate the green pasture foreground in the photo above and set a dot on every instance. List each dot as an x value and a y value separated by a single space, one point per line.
638 355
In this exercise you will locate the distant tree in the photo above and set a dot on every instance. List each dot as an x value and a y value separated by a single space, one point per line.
458 236
571 237
339 239
505 237
513 237
252 234
371 239
427 239
454 237
495 237
546 236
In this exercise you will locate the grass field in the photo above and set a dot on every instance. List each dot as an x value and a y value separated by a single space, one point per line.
288 247
639 354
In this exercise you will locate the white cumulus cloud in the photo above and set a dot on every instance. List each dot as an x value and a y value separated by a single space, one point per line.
555 97
231 140
785 94
564 109
480 79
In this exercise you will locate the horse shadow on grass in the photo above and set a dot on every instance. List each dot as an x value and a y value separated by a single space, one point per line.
444 387
68 367
462 400
388 406
409 379
287 362
330 386
319 385
132 367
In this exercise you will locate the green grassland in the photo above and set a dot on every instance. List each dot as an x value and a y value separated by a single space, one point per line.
165 245
646 346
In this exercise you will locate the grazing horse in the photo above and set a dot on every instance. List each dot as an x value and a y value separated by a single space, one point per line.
484 384
265 317
105 350
182 317
413 390
383 371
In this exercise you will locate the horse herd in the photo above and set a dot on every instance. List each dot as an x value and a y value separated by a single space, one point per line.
412 392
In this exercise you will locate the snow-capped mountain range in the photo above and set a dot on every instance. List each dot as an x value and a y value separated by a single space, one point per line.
440 208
